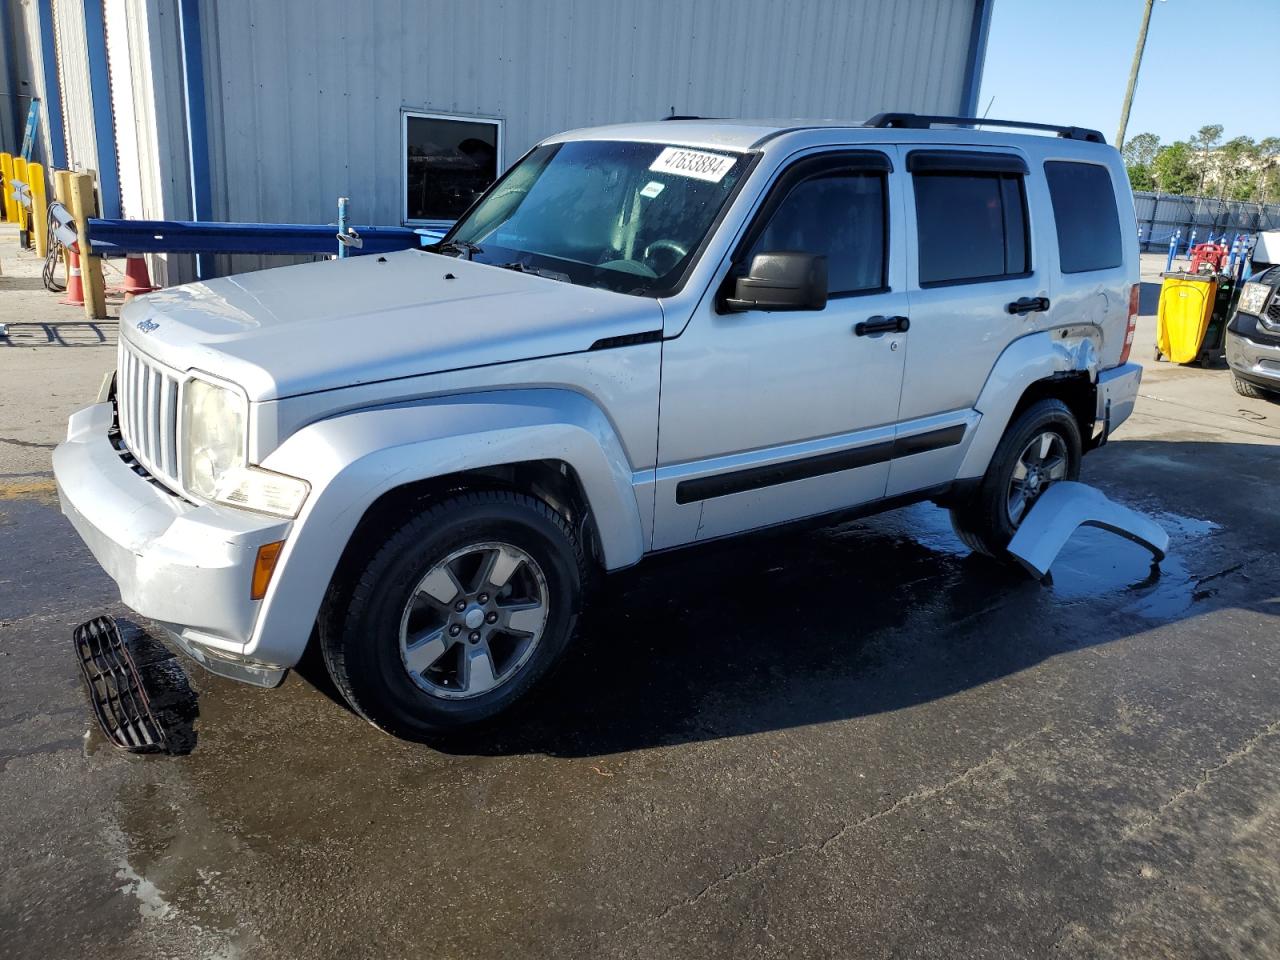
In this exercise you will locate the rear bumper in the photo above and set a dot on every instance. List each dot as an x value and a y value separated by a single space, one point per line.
186 566
1117 395
1258 363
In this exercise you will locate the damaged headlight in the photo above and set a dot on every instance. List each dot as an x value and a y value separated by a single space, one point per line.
215 435
214 454
1253 297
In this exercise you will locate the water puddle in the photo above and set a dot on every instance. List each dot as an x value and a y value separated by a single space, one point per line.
1093 564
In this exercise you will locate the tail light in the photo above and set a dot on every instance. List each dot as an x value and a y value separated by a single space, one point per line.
1133 322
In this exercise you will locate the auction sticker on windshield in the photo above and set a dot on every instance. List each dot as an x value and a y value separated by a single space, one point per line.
698 164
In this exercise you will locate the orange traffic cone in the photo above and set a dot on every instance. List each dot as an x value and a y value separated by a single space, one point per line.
136 278
75 285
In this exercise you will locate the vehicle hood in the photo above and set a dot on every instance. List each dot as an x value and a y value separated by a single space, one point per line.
337 323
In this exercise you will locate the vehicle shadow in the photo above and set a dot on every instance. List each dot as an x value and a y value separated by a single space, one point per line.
1148 298
783 629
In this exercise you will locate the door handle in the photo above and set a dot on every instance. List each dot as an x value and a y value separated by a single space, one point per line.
1026 305
881 325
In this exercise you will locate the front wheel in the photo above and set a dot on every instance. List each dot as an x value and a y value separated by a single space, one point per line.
1040 447
457 616
1247 389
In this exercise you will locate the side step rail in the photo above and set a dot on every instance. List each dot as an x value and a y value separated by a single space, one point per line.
116 693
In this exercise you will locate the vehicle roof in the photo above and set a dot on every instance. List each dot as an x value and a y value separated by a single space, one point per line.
732 134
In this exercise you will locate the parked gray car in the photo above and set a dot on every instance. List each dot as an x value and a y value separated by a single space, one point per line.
642 337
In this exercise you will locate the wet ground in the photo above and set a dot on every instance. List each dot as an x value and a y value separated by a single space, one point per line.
850 742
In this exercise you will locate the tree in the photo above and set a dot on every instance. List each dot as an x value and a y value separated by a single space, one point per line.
1141 176
1205 139
1236 171
1268 168
1140 150
1174 168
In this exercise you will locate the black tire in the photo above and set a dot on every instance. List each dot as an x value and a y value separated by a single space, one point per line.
982 522
359 624
1247 389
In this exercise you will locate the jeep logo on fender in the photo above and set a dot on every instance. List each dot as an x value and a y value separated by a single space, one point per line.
146 326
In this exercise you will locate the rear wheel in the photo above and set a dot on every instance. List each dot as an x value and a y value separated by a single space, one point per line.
1040 447
458 615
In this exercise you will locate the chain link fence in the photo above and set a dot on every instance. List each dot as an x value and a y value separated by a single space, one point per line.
1162 215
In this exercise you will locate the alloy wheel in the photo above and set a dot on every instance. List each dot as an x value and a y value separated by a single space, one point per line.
1042 461
474 620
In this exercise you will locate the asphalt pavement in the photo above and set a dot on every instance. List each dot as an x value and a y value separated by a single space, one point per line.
855 741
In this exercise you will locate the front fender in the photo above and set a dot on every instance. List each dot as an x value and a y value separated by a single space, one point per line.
354 458
1037 356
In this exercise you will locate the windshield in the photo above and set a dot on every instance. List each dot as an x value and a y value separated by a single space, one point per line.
627 217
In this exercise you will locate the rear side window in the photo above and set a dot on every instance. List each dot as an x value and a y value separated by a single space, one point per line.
840 214
1084 211
971 226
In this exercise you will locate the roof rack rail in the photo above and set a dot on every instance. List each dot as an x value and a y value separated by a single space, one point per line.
917 121
680 116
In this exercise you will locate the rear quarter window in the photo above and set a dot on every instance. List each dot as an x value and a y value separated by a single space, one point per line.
1084 212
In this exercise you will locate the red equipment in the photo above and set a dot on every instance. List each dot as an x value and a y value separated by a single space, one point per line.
1213 255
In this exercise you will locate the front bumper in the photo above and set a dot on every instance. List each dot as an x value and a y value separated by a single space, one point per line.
1117 395
1258 363
187 566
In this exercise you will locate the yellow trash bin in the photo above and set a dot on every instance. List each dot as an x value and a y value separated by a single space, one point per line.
1186 307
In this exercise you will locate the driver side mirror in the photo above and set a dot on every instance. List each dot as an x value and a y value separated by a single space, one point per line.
781 281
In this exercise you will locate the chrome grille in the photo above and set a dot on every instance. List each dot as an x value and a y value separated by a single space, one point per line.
147 411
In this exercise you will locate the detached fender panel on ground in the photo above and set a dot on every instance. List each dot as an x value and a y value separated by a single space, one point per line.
1064 508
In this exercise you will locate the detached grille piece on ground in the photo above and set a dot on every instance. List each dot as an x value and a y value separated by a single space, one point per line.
116 693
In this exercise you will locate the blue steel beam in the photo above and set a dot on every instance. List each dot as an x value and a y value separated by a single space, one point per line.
115 238
979 27
197 122
52 89
104 133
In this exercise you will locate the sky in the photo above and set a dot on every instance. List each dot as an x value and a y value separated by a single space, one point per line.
1067 61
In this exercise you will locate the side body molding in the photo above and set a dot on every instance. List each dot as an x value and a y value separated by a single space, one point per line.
354 458
1036 356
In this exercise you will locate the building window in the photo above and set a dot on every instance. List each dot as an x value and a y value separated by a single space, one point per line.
448 162
1084 211
971 227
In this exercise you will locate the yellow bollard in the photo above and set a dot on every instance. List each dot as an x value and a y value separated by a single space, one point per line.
6 171
39 208
62 194
21 175
82 208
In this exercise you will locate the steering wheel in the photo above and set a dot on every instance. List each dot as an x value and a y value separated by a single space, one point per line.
675 250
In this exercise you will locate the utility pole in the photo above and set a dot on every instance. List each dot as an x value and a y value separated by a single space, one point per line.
1133 74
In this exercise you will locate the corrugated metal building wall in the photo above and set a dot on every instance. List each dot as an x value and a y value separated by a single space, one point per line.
30 65
15 85
154 54
73 75
305 96
305 99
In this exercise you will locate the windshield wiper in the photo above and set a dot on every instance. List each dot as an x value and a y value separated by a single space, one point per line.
458 246
519 267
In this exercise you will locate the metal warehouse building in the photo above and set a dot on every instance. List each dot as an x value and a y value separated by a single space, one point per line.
268 110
